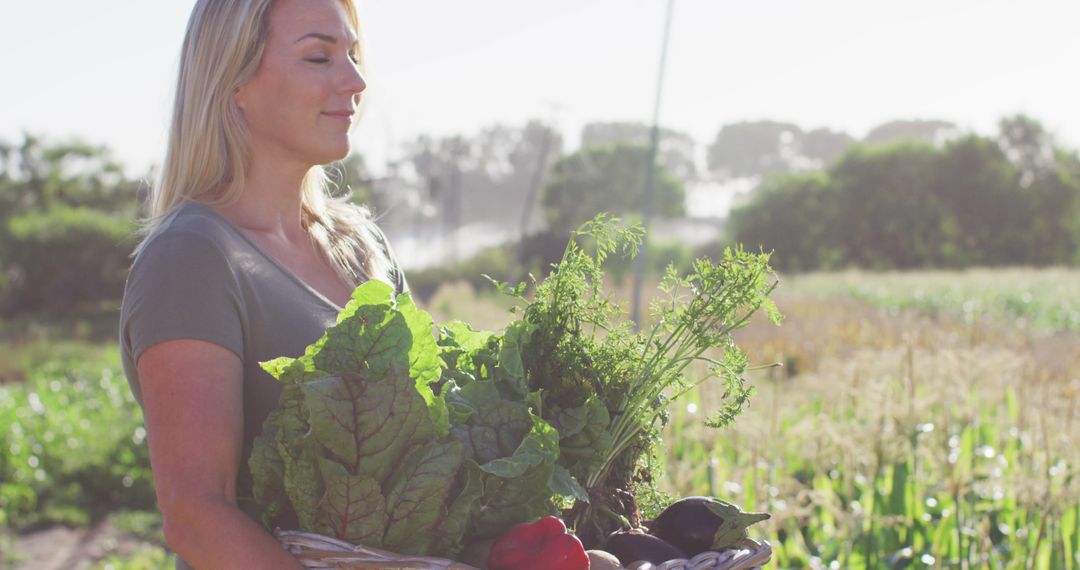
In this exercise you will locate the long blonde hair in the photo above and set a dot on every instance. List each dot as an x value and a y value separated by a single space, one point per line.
207 153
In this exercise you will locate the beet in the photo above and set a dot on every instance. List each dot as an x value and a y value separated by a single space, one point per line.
631 546
697 524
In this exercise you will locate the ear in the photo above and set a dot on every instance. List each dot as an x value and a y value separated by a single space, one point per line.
240 97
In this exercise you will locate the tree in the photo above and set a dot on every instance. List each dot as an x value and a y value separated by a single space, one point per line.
611 179
1027 144
754 148
929 131
913 204
823 146
66 226
485 176
886 214
675 150
980 190
787 216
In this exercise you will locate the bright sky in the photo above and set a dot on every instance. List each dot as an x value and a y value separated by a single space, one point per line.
103 71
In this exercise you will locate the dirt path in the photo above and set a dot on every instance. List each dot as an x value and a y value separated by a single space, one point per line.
63 548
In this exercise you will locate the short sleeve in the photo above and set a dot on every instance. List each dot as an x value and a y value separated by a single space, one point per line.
181 286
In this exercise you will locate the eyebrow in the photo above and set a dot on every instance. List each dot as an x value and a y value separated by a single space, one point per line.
319 36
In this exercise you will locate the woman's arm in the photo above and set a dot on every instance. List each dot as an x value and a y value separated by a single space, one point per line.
192 395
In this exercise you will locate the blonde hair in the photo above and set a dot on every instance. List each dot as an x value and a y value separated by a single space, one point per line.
207 153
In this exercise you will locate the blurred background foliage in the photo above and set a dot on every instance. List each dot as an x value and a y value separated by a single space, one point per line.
910 194
971 201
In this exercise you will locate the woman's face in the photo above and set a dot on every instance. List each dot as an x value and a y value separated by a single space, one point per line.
301 102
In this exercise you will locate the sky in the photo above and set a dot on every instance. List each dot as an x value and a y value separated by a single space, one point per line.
103 71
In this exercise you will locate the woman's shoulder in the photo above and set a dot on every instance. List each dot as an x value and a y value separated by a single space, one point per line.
190 226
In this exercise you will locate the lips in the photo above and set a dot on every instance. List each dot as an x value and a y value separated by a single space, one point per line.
344 114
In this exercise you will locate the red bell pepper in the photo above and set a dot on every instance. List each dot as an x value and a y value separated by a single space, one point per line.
540 545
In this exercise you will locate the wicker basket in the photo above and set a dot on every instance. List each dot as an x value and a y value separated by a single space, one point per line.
325 553
319 552
750 554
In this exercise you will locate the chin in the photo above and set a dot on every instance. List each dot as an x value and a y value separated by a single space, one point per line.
334 153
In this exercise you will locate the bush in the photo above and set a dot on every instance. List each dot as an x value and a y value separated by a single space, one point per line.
494 261
913 205
73 446
65 258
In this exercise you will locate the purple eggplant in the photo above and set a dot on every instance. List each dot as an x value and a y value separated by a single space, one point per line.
632 546
697 524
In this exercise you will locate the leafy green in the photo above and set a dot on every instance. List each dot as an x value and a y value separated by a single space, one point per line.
362 446
392 437
605 386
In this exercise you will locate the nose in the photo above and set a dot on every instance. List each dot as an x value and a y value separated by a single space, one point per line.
353 82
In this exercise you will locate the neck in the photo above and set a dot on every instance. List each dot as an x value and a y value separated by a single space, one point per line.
270 201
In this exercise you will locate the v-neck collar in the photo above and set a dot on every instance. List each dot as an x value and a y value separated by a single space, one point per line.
265 254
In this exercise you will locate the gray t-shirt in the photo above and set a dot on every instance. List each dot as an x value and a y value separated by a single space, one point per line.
200 277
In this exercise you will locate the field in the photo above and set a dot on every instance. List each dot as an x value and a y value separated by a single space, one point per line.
920 420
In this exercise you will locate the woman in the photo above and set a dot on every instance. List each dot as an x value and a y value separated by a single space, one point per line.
245 257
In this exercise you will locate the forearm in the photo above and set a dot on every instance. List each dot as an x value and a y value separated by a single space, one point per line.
212 533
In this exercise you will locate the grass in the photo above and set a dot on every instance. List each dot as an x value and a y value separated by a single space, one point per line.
897 437
1044 299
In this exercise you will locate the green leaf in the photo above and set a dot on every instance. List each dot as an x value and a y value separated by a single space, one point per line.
303 484
368 426
493 432
372 292
291 370
563 483
449 535
373 337
569 421
481 394
353 507
506 502
425 365
268 471
588 448
298 452
541 445
898 494
515 452
459 339
516 335
416 500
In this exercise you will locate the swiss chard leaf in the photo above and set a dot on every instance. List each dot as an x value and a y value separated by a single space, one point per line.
361 443
353 507
564 484
511 345
365 425
416 500
449 536
460 344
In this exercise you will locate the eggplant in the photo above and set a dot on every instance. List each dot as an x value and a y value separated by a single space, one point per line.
632 546
698 524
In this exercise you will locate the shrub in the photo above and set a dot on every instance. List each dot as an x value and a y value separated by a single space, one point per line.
65 258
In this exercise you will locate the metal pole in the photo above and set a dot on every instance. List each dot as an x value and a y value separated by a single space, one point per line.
650 176
534 187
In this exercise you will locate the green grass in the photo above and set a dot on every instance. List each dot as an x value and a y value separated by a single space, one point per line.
901 440
1046 299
